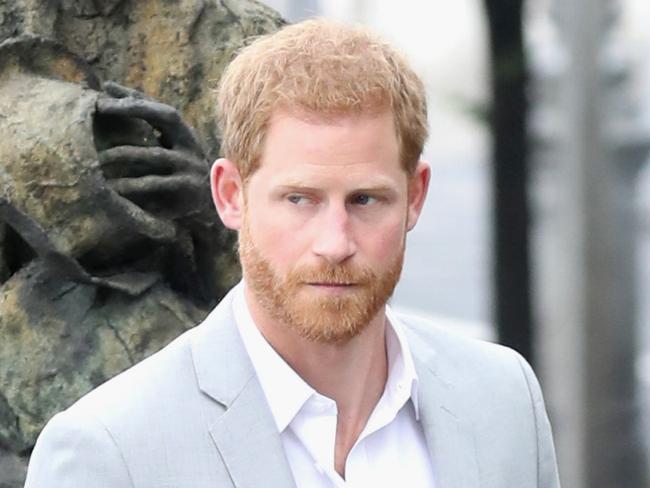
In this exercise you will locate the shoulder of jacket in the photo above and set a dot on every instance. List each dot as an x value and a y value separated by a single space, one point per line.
469 356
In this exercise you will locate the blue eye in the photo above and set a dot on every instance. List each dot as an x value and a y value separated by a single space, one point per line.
362 199
296 199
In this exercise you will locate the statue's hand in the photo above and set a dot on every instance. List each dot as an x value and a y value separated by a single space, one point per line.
169 179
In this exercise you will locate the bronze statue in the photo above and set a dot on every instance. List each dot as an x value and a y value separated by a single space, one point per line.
109 247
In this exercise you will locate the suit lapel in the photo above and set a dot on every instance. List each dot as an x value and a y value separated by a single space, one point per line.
250 446
245 434
447 427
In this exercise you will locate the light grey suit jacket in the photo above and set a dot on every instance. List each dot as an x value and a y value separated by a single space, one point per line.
194 415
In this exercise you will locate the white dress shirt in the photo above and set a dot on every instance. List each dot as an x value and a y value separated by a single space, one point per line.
391 450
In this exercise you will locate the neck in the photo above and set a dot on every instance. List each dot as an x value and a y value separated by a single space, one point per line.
352 373
343 371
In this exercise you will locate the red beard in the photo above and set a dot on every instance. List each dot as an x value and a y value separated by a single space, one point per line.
321 317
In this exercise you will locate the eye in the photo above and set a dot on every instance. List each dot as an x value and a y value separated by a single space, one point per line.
363 199
297 199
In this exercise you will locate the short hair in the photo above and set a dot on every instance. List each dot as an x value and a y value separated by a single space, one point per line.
323 68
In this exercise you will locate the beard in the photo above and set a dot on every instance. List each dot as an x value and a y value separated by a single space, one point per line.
318 317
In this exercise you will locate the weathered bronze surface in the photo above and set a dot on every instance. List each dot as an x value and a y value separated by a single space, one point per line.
109 247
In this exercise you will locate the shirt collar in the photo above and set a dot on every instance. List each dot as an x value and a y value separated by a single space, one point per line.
286 392
401 373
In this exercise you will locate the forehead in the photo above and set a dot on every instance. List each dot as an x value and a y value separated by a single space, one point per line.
301 145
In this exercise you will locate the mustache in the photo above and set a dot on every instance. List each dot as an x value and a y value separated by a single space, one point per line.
342 274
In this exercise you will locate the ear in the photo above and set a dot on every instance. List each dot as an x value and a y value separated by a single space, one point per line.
418 187
227 192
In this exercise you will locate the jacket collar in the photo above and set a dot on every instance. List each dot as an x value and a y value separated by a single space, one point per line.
245 433
446 424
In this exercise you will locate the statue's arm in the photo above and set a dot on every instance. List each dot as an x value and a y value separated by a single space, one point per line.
74 451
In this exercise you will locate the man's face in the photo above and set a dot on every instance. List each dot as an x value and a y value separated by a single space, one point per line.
324 224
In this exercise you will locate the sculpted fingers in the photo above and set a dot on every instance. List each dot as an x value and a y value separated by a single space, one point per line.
168 181
170 196
174 133
136 161
120 91
154 184
159 115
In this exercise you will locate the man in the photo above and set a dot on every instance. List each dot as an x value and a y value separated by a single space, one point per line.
303 376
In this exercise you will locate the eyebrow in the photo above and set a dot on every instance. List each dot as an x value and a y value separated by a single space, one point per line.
378 185
298 187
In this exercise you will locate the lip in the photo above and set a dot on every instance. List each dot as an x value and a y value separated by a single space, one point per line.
332 289
333 285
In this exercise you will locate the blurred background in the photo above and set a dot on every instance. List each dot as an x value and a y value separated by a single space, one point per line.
536 232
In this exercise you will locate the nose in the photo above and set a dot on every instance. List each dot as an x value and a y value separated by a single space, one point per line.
334 241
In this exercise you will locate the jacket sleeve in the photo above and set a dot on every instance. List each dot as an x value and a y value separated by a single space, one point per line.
547 474
74 451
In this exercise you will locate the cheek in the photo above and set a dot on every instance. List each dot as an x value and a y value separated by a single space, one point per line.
384 244
277 239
